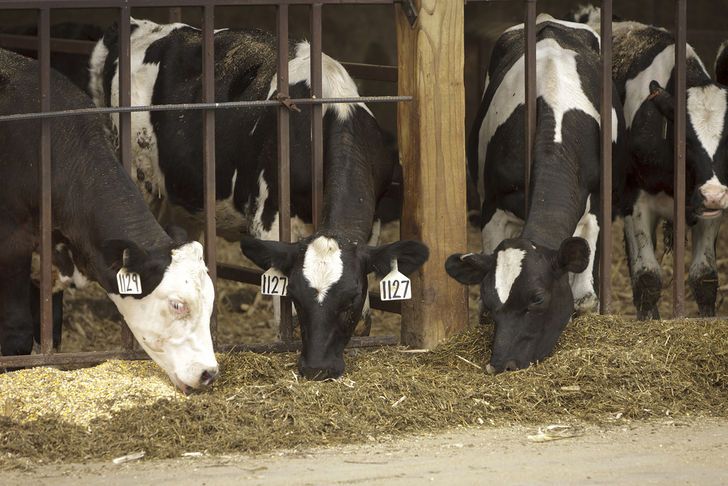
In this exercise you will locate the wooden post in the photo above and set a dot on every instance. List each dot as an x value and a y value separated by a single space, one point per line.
431 134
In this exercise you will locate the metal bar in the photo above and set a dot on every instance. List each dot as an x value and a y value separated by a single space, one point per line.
204 106
317 130
44 173
30 42
530 80
91 357
26 4
605 235
285 327
208 141
127 338
678 245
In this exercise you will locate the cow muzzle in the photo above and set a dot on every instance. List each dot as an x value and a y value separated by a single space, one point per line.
715 199
321 370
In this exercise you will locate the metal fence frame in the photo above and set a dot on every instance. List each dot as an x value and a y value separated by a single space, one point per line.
48 357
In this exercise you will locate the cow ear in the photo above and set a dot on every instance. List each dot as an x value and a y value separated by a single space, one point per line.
662 100
470 268
123 253
177 233
269 253
573 255
410 256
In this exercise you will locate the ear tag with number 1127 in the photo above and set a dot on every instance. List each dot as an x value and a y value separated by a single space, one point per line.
273 282
395 286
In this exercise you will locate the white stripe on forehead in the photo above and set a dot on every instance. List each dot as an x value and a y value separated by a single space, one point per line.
706 107
507 269
322 265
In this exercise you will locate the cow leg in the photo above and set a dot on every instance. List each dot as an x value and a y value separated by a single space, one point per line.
364 326
639 238
16 328
582 284
703 273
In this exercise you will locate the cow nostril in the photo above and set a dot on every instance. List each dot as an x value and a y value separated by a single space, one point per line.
511 365
208 376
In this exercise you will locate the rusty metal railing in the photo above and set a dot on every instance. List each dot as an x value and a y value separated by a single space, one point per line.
43 45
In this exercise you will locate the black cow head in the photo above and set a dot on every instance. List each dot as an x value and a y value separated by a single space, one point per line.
526 289
707 194
327 282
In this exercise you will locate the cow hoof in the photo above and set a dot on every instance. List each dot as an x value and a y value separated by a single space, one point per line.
646 289
705 291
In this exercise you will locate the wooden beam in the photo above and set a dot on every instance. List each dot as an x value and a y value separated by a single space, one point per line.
431 134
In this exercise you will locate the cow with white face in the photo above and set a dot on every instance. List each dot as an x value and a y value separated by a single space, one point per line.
644 58
327 270
535 273
101 226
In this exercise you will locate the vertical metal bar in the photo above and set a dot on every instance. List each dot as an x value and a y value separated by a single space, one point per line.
317 152
284 161
208 129
127 338
605 235
175 15
44 172
678 245
530 60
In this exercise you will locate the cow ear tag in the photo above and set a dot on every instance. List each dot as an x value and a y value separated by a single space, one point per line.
273 282
395 286
130 283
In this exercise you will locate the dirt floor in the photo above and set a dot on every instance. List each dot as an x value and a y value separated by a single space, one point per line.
665 453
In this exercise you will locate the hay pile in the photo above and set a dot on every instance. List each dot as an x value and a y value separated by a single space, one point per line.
605 370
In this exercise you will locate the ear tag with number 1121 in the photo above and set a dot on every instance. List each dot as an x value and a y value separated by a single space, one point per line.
273 282
395 286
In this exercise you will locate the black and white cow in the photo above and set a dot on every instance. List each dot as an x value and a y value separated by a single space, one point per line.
100 225
327 270
534 274
644 57
721 64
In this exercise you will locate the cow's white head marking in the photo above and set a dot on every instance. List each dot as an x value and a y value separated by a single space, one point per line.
322 265
172 323
508 268
706 106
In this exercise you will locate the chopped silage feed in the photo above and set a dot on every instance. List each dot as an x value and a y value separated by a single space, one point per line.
80 396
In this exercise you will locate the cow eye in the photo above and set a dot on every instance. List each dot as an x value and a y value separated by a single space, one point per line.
178 306
537 299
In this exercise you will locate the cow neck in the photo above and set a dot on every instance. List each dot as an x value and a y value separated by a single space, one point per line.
555 205
117 212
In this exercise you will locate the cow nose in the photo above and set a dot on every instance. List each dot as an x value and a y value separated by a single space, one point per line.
321 371
208 376
511 365
715 196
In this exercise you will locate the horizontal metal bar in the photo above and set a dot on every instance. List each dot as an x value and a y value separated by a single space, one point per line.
30 43
30 4
91 357
202 106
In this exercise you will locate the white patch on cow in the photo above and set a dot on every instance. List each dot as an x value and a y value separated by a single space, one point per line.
255 125
180 343
507 270
639 230
503 225
544 17
322 265
61 281
558 83
96 73
721 48
638 88
335 81
582 284
706 108
299 228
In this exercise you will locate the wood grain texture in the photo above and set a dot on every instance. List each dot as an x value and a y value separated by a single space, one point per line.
431 131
